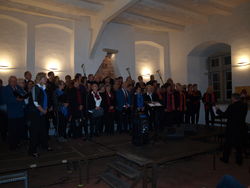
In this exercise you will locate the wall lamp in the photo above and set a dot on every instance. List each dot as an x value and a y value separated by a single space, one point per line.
241 64
5 67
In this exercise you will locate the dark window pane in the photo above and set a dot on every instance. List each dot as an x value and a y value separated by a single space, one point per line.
229 85
217 93
215 77
227 60
215 62
229 94
228 76
216 86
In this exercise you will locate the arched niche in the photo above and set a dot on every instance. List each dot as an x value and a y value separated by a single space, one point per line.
149 57
197 64
13 39
54 49
197 61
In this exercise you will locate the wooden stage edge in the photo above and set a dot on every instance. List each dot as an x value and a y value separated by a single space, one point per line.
119 145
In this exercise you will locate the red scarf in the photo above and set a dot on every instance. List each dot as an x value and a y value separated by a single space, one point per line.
182 102
210 100
78 96
110 97
96 95
170 102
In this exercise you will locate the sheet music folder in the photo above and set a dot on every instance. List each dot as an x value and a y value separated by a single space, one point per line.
154 104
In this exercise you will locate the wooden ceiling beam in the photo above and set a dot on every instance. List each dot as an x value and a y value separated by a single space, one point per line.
204 7
146 22
164 13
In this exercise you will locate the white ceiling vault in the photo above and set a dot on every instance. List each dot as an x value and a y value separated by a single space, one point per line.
159 15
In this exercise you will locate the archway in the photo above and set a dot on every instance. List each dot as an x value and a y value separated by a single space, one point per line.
199 63
12 46
54 48
149 57
200 68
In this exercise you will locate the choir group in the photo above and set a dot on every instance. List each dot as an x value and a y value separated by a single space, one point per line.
89 107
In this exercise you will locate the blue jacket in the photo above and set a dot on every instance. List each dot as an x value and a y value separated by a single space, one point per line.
15 108
1 95
121 99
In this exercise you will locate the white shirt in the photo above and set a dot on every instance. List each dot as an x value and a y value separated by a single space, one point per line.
150 95
97 101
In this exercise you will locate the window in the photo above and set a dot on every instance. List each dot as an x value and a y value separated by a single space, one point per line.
220 76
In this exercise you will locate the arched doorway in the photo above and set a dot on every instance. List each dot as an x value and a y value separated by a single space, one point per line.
210 64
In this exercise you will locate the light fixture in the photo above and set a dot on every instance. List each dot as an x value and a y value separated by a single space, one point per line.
3 66
53 64
53 69
243 63
145 73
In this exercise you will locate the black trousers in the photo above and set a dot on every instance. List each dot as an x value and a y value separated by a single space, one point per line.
189 114
169 118
76 125
96 126
123 121
155 118
15 131
233 143
207 112
109 118
3 125
38 132
62 125
196 114
179 117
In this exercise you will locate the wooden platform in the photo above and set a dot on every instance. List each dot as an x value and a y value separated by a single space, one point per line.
162 151
79 150
75 150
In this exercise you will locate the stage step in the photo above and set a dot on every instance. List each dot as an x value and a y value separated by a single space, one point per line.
114 181
125 169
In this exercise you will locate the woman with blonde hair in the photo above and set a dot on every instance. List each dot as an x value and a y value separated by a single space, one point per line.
39 100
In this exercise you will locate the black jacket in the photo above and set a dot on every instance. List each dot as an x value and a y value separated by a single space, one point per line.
74 104
236 116
91 101
148 99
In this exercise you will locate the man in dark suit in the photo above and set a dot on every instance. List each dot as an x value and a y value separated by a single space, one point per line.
15 112
236 115
123 107
27 76
154 113
3 115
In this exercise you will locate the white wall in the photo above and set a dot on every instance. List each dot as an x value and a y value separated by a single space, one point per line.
123 38
53 49
119 37
43 40
147 59
27 40
160 40
13 34
233 30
